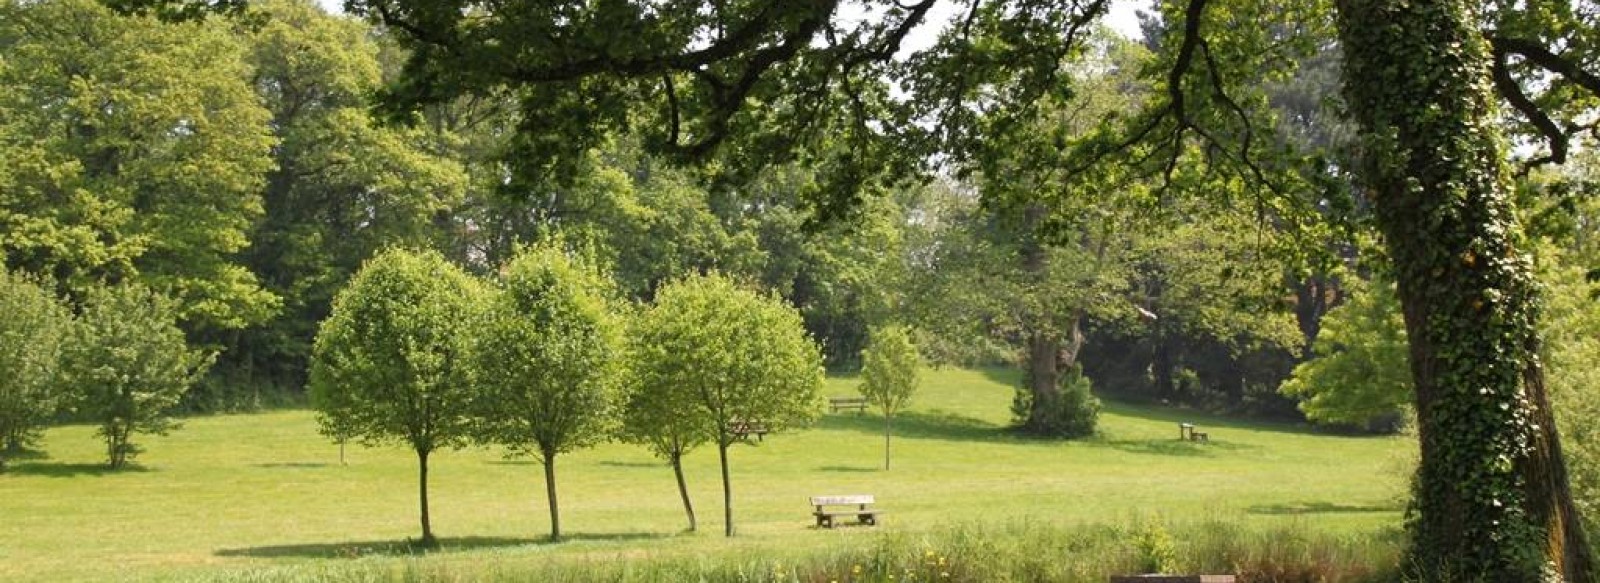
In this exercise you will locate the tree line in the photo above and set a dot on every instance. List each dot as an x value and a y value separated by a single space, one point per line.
787 111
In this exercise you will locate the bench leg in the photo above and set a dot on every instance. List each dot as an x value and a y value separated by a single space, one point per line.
868 519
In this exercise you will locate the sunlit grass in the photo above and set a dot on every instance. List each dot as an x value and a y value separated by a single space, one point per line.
245 493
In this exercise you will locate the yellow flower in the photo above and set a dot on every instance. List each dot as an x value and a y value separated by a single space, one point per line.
855 570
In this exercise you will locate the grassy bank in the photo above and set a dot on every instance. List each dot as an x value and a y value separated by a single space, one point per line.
263 496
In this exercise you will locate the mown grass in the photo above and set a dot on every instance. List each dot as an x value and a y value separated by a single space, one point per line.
263 497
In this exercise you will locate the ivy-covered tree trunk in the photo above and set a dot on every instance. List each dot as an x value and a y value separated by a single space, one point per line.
1492 498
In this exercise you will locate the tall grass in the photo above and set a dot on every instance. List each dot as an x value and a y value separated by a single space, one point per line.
1017 551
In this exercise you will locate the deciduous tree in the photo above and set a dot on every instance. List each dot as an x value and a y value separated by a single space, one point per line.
889 366
128 365
35 328
389 364
738 356
135 151
546 361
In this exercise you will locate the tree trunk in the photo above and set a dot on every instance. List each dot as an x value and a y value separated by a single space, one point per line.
888 421
727 487
550 493
683 488
1044 375
422 493
1492 497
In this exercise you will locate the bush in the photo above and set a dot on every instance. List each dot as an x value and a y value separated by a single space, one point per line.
1072 412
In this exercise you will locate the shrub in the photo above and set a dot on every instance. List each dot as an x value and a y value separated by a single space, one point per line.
1072 412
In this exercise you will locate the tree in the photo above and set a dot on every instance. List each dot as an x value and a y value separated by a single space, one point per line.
737 356
546 360
1358 371
32 334
135 152
889 375
664 418
128 365
389 365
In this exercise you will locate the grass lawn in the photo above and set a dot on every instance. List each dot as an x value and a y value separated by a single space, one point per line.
233 493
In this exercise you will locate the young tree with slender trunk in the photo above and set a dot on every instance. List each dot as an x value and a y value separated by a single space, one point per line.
889 366
546 360
734 356
128 364
662 418
389 363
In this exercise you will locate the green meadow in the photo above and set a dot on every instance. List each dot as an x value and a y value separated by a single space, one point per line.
264 496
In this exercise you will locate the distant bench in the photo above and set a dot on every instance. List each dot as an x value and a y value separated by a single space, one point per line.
837 404
742 429
1186 432
863 510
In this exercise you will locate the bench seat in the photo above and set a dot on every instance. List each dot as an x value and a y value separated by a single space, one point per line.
863 511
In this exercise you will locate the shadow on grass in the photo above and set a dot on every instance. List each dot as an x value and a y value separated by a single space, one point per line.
514 462
847 469
617 464
356 549
294 465
921 425
1170 447
1320 508
58 470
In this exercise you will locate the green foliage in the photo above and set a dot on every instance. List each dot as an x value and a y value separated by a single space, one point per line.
389 363
545 361
134 151
736 355
128 365
340 187
1156 551
1360 373
889 367
33 332
1071 411
1572 341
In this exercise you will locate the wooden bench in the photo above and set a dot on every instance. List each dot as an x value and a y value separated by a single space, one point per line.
1186 432
742 429
836 404
863 511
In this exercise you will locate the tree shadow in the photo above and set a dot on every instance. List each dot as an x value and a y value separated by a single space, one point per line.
1168 447
513 462
62 470
24 455
1320 508
847 469
293 465
934 424
357 549
617 464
